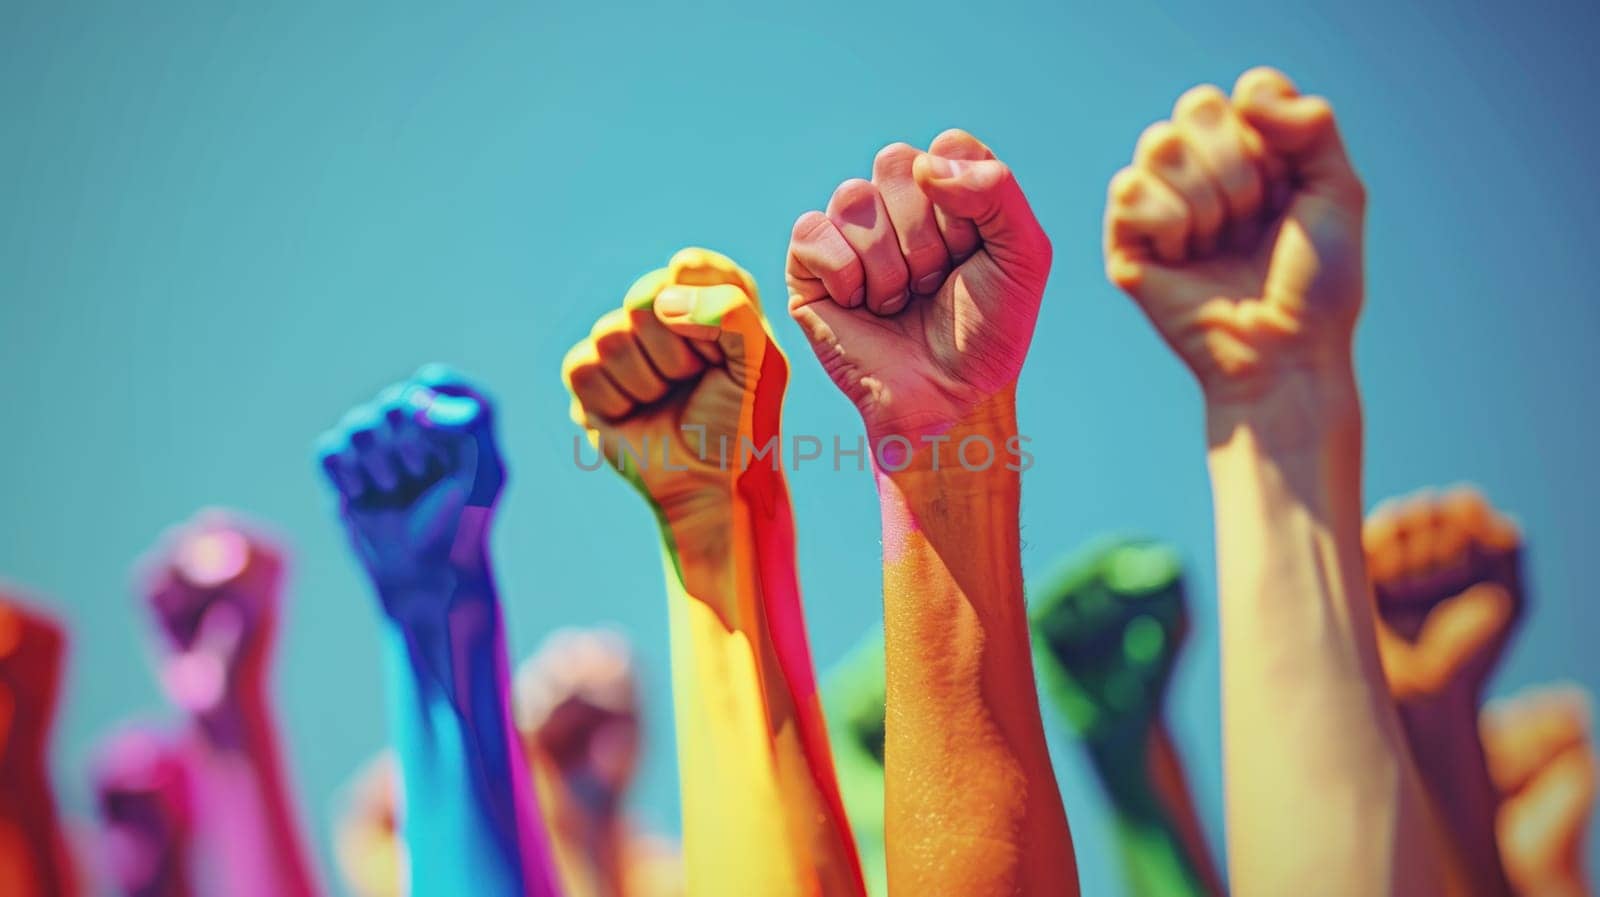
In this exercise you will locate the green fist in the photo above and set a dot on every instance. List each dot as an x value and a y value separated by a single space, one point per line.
1108 625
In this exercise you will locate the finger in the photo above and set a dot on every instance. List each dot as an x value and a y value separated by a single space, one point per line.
858 212
364 425
822 264
624 359
1418 522
960 235
723 314
1302 130
339 464
696 266
446 380
1145 218
585 376
1226 147
1452 538
1163 151
915 226
987 193
445 413
1381 538
410 450
700 267
666 351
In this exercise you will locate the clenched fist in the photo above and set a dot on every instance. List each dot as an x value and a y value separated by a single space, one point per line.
919 288
1541 756
1111 625
142 792
1238 230
681 387
1447 572
576 702
213 586
417 473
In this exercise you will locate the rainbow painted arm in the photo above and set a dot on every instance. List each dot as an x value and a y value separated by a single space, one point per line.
968 776
1109 624
418 475
761 810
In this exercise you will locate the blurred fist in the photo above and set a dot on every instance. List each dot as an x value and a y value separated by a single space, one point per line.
142 794
1238 230
1541 757
367 847
577 704
32 646
1111 624
212 584
417 474
919 288
667 385
1446 569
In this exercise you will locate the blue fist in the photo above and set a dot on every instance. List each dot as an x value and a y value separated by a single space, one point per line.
417 474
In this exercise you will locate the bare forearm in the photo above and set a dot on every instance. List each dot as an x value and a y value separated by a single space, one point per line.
971 805
1322 788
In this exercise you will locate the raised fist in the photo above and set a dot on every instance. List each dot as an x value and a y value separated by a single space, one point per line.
1238 230
417 473
1447 572
142 792
576 703
1541 757
667 385
1111 623
919 288
212 585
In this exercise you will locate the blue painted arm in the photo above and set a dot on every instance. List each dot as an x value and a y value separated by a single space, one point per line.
418 475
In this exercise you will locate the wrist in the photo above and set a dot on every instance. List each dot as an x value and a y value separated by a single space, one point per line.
981 447
425 597
1294 407
698 521
1123 766
232 719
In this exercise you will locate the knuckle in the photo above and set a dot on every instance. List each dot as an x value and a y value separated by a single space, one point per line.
894 156
1126 187
1202 98
853 193
1159 144
810 226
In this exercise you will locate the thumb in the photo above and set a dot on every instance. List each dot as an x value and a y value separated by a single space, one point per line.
722 313
1460 630
1301 130
985 191
707 296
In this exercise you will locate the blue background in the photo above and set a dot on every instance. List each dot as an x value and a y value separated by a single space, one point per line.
221 228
